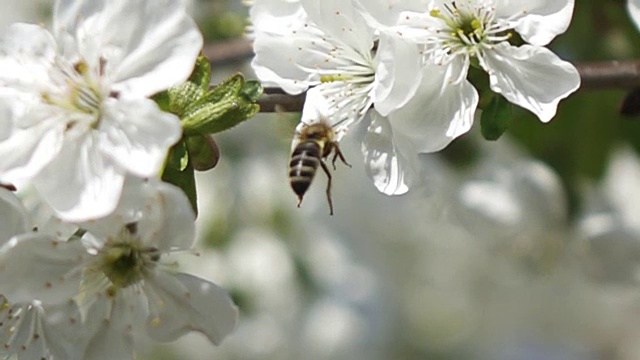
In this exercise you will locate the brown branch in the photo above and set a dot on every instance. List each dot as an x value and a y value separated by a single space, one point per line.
609 75
603 75
276 100
227 52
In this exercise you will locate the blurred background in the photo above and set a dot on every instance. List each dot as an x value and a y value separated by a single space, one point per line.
527 248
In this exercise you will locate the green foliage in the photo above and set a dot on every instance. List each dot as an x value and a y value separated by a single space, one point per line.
202 112
221 108
495 118
179 172
203 151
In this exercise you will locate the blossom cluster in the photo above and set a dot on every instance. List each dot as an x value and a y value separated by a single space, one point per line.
85 272
403 69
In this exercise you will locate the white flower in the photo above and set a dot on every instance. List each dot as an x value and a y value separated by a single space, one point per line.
610 221
116 273
350 68
457 34
633 6
28 328
77 116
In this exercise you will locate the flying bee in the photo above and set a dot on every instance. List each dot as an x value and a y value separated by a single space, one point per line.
312 144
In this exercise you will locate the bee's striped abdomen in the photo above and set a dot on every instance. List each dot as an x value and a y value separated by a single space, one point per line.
305 160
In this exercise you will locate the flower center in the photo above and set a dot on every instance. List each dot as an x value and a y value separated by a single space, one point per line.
124 260
469 26
77 91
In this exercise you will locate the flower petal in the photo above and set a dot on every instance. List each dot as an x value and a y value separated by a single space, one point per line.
531 77
438 113
162 212
633 6
26 151
80 183
540 20
109 325
386 166
178 219
27 51
61 331
13 216
137 135
38 267
318 108
277 50
340 20
141 57
168 221
34 332
187 303
398 64
382 14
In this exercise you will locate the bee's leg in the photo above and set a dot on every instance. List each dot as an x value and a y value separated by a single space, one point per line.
338 153
326 171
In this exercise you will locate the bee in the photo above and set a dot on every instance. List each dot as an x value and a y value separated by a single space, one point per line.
312 144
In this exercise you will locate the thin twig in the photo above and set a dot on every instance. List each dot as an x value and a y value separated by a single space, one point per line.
603 75
610 75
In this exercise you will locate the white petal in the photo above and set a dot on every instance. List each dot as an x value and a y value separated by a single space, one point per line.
178 220
318 108
162 212
27 51
26 151
531 77
36 266
80 183
284 57
187 303
34 332
166 219
276 46
385 165
398 64
142 57
387 13
438 113
137 135
58 334
13 216
275 15
109 325
633 6
537 21
340 20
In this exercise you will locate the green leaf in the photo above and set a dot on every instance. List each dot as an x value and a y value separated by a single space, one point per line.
252 90
184 96
163 100
203 152
213 118
179 172
180 98
230 87
226 105
201 74
495 118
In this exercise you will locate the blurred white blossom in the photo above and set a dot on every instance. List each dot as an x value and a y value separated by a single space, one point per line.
633 6
610 222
